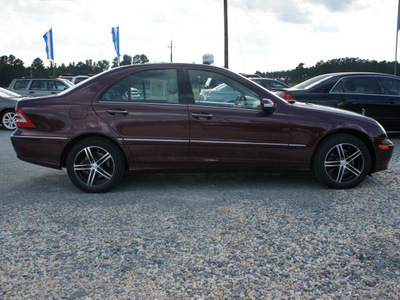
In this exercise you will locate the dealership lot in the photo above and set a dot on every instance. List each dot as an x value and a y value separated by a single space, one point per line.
198 236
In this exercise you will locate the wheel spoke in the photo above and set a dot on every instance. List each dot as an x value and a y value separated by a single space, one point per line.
91 177
332 164
89 155
82 167
353 170
104 173
340 151
103 159
340 174
353 156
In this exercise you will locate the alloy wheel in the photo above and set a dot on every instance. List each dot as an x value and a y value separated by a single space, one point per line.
344 163
9 120
94 166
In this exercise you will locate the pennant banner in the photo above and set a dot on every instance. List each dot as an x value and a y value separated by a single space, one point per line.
48 39
115 37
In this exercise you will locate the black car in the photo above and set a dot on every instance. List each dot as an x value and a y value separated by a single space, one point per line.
372 94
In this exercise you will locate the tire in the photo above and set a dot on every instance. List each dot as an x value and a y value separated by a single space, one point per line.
342 161
95 165
8 120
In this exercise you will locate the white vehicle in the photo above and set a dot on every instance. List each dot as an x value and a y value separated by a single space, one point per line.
37 87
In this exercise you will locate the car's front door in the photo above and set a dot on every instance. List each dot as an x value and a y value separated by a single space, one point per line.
233 132
146 110
361 94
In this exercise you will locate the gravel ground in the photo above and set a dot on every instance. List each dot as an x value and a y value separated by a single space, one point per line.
197 236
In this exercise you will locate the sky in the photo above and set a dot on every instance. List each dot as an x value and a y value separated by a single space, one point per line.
264 35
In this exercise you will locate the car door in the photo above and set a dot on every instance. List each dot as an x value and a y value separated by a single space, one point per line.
233 131
38 88
146 110
390 100
361 94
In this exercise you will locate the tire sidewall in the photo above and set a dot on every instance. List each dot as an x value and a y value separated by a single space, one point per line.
110 148
326 146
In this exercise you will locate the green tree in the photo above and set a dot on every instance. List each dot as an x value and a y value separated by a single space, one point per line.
140 59
126 60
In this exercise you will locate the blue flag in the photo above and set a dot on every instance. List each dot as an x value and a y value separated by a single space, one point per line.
48 39
398 17
115 37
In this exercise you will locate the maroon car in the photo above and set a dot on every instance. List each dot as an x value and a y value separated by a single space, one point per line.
151 118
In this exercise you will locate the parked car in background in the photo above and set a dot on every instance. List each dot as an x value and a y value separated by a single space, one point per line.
372 94
75 79
37 87
8 100
100 128
271 84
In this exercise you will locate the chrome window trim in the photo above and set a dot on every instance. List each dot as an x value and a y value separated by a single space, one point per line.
363 94
142 102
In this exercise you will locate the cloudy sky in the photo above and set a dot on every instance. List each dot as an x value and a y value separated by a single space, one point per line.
264 35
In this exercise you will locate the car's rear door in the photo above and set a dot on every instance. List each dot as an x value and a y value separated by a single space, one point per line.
147 111
391 101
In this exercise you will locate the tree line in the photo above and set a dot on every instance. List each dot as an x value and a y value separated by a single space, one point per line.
347 64
12 67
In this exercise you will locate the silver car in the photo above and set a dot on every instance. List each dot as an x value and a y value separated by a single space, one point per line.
8 100
38 87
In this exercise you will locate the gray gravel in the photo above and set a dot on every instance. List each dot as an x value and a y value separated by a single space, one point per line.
197 236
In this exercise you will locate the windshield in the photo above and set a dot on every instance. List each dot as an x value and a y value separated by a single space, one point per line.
8 94
311 82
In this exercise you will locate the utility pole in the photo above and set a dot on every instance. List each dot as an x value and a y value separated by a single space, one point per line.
171 50
226 32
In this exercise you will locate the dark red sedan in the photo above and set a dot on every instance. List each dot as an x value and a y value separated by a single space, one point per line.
151 118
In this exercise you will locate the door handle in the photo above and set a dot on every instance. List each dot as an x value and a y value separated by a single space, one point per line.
202 115
117 112
390 101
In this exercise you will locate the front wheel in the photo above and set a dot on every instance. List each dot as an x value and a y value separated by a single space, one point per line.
95 165
8 120
342 161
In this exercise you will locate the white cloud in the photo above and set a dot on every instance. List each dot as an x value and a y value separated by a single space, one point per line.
264 35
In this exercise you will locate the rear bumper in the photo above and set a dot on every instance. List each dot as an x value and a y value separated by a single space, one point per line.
41 150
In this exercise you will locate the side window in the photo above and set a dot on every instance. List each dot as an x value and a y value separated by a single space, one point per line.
56 85
214 89
357 85
21 84
159 86
390 86
39 85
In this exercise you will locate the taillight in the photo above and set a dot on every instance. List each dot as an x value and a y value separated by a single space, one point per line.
22 120
287 97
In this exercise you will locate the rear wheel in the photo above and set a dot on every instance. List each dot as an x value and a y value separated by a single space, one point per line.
95 165
8 120
342 161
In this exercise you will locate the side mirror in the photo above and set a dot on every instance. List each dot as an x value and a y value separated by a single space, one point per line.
267 105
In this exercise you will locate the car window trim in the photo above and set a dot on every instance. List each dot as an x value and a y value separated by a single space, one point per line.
190 96
179 78
346 93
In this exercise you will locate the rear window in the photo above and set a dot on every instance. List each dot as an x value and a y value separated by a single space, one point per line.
311 82
21 84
